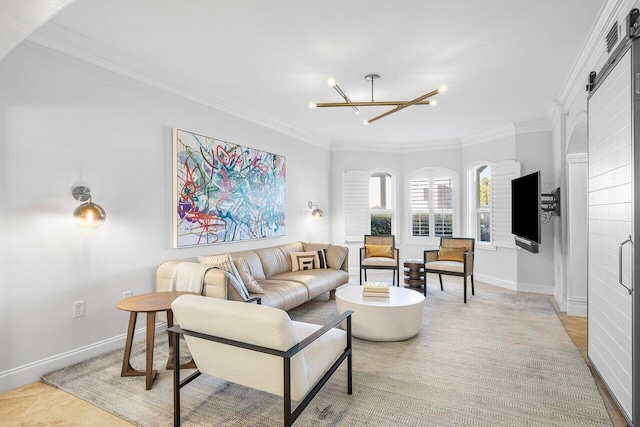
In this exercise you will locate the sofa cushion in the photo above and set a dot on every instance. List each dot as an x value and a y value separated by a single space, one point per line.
317 282
253 263
314 246
248 280
283 294
274 261
336 256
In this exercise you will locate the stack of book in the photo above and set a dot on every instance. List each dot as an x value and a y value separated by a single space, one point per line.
375 289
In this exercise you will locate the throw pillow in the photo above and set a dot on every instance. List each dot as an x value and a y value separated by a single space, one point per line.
385 251
451 254
250 283
304 261
322 258
336 256
225 263
321 249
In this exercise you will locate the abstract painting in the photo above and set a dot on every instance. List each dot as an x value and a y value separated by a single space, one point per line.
224 192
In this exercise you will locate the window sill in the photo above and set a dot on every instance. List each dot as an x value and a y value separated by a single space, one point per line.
486 246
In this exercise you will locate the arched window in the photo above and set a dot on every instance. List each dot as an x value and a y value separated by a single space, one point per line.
369 203
480 202
381 203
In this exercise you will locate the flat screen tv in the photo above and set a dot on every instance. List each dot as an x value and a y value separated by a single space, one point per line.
526 204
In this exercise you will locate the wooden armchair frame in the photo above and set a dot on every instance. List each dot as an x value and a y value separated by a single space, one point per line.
453 242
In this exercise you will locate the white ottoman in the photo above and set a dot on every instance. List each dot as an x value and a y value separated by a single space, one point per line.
396 318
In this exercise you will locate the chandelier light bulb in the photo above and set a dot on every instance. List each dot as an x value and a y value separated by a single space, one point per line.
366 122
312 105
443 88
433 102
331 82
357 112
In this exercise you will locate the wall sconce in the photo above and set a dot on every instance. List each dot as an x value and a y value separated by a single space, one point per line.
87 215
316 213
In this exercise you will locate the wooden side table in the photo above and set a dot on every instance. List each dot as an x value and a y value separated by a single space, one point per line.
414 274
150 304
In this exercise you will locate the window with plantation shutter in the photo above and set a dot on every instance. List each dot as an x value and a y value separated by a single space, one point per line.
432 210
501 175
355 193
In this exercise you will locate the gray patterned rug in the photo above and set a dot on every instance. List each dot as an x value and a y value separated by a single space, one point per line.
503 359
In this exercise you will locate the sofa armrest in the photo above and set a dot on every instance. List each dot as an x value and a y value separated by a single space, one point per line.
164 273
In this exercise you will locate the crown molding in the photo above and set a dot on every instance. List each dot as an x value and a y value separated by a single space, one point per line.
488 136
60 39
412 147
533 127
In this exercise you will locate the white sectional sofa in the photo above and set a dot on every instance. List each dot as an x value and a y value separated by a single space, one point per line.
272 269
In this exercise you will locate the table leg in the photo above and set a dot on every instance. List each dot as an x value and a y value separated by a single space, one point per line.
127 369
190 364
150 373
126 363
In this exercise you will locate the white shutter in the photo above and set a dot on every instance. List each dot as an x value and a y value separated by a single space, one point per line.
501 175
355 194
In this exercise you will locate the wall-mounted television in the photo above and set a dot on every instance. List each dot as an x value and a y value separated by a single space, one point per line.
526 204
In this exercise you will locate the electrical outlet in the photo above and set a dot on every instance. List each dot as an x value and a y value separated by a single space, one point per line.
78 309
126 294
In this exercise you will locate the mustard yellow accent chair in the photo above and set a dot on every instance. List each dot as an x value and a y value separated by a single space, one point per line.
454 257
380 253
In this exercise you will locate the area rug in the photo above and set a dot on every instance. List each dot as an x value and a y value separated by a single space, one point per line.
503 359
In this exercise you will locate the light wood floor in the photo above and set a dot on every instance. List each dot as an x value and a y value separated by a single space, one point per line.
38 404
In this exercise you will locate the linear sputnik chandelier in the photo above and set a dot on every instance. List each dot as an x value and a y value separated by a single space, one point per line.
421 100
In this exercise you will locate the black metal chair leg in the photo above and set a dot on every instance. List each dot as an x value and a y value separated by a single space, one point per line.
465 289
473 291
440 277
360 276
176 379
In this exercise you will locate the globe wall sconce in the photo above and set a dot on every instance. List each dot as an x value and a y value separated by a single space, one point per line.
316 213
88 214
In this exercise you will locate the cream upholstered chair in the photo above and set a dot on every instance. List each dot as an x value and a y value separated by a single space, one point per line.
454 257
380 253
259 347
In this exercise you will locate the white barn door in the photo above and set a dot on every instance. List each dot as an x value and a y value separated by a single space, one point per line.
611 245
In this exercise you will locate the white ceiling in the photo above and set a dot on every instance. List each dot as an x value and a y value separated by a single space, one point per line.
503 60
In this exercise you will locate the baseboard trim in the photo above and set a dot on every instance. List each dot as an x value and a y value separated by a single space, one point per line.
31 372
535 288
496 281
577 306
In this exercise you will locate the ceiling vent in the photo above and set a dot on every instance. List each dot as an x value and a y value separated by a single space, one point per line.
612 37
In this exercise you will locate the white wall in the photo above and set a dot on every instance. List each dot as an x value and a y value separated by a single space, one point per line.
62 122
536 271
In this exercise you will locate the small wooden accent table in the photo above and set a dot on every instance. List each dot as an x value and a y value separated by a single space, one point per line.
414 273
150 304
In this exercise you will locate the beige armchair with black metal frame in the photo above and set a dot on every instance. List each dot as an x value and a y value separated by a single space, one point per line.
380 253
453 258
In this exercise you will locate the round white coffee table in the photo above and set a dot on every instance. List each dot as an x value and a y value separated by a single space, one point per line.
396 318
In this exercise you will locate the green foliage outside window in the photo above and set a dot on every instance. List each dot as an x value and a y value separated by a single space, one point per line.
485 195
380 224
